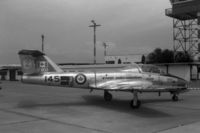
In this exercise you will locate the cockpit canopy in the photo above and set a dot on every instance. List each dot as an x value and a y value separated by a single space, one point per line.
151 69
134 68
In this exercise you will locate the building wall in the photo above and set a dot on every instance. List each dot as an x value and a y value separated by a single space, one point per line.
182 71
18 75
127 59
7 76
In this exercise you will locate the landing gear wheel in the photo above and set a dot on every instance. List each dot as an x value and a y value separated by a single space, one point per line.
107 96
175 98
135 105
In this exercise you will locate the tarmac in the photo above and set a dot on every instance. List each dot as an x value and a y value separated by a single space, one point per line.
45 109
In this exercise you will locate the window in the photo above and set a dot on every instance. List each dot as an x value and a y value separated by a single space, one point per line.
19 73
110 62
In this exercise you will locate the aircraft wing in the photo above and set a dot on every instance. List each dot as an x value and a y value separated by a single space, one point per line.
129 85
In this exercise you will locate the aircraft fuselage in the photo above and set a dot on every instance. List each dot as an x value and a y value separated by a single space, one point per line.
98 79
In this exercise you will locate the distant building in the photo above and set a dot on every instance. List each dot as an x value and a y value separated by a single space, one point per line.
187 71
10 72
126 59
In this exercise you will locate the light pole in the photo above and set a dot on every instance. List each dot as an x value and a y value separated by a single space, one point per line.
105 46
94 27
42 36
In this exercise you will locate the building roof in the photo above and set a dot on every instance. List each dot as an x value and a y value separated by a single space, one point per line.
10 66
182 63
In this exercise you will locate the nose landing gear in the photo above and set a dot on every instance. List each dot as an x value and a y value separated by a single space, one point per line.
135 103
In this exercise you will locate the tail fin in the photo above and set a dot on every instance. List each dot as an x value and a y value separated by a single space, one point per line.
36 62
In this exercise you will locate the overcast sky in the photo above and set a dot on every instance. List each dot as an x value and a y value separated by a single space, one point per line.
129 26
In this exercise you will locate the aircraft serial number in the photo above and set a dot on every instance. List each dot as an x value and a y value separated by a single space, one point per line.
52 78
62 80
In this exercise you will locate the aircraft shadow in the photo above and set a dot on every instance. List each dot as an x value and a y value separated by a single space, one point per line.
123 106
98 101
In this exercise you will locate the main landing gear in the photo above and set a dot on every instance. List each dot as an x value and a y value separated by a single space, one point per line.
135 103
175 97
107 96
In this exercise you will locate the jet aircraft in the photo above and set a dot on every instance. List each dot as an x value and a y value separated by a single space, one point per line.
39 69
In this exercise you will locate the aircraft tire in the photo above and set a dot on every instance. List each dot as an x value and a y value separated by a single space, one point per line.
175 98
135 106
107 96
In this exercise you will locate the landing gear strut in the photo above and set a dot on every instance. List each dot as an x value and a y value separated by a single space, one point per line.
135 103
107 96
174 97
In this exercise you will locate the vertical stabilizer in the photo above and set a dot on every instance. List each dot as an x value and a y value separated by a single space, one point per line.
36 62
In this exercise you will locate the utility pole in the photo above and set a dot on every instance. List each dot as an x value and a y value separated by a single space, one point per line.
42 36
94 27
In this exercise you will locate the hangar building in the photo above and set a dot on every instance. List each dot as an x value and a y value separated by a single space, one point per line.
10 72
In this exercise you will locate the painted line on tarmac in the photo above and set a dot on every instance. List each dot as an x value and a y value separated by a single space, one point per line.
177 107
177 126
18 122
51 120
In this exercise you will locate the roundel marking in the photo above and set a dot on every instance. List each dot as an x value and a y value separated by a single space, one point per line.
80 79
